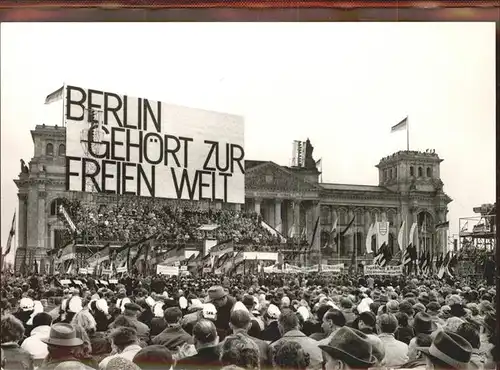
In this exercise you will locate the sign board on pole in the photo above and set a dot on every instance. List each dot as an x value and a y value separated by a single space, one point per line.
83 271
387 270
167 270
127 145
184 268
121 269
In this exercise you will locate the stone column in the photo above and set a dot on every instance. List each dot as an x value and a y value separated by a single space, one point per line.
52 233
237 207
335 216
270 212
33 226
41 252
257 202
278 222
296 217
22 229
441 234
366 228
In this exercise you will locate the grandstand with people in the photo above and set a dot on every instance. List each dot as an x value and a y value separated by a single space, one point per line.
288 210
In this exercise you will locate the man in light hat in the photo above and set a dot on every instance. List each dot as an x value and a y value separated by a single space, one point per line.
224 304
348 349
63 341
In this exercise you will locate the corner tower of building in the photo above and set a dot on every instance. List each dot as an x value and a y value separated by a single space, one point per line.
39 182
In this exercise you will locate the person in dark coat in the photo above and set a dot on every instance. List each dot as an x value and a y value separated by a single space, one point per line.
206 342
146 316
271 332
173 336
224 304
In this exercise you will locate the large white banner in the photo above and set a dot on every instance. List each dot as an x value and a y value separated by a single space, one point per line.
119 144
387 270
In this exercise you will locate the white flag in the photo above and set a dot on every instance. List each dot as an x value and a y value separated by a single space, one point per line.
382 230
400 235
369 236
412 233
400 126
55 96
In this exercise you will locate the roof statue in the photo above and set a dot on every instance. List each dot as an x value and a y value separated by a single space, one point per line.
310 163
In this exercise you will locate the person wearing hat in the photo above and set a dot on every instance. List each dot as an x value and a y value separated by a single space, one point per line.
249 303
63 346
271 332
396 352
447 351
422 325
132 310
433 310
224 304
348 349
26 309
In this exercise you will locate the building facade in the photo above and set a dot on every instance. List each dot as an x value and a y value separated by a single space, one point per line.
291 199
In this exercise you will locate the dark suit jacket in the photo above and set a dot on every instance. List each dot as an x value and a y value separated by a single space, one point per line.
271 333
172 338
206 358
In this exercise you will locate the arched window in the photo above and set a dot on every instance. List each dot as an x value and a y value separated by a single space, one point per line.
49 149
54 207
62 150
390 173
420 172
429 172
395 172
390 218
412 171
326 215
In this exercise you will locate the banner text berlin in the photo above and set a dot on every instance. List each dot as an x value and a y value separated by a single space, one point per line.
117 144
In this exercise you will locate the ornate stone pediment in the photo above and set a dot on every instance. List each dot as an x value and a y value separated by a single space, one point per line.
272 177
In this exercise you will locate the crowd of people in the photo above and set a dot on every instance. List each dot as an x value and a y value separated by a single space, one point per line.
293 321
134 219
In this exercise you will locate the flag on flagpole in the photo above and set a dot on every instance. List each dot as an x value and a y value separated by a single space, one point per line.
400 126
11 235
401 234
348 226
55 96
369 237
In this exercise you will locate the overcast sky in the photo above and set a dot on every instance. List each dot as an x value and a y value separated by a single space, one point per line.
343 85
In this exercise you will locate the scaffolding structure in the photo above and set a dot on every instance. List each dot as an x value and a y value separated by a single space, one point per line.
479 232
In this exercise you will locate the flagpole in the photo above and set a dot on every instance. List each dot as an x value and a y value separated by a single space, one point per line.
64 104
407 133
